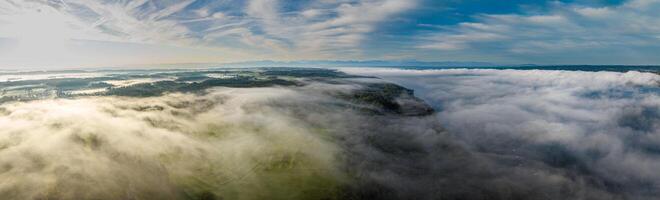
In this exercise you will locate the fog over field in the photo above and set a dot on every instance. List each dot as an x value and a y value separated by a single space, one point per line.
322 134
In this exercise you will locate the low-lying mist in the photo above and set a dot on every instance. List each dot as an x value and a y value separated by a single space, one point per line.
584 135
254 143
498 134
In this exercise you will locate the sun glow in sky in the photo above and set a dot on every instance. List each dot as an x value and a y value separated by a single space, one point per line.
41 37
78 33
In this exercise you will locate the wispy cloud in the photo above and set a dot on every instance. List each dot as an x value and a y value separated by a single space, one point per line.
545 33
626 30
316 28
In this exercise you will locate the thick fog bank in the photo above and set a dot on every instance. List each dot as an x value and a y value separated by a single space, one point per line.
498 134
306 142
588 135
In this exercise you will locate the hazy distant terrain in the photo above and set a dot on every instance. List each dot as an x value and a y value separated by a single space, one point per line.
304 133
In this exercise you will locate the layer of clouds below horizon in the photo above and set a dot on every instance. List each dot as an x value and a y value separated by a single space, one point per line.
257 143
501 134
602 128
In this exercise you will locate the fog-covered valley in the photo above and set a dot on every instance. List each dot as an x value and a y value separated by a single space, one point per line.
290 133
584 134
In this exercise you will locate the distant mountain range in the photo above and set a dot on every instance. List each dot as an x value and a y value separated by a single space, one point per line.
414 64
367 63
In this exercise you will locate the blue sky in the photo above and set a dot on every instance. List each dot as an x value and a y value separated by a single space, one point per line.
74 33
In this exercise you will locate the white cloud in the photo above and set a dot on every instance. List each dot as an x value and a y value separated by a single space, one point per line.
326 27
561 35
603 124
170 147
506 134
319 29
305 142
